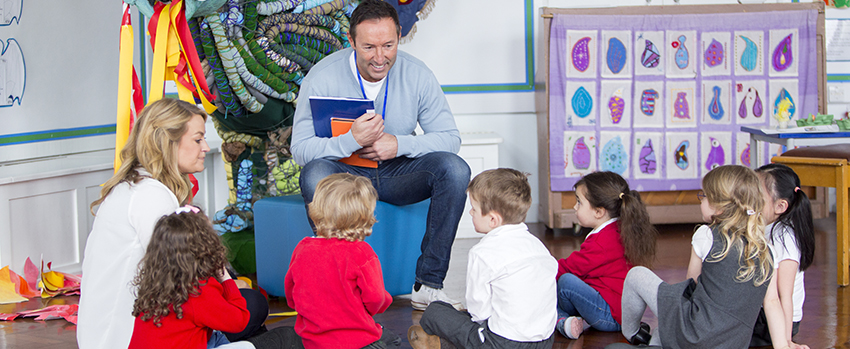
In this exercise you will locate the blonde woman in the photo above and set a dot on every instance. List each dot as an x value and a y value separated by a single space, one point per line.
166 144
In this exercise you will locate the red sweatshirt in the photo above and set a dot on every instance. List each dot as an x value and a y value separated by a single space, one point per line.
336 286
601 263
219 306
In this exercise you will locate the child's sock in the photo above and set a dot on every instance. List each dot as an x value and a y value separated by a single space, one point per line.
566 326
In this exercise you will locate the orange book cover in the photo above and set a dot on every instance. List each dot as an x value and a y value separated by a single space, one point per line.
341 126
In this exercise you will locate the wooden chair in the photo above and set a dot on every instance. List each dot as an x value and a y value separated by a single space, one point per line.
827 166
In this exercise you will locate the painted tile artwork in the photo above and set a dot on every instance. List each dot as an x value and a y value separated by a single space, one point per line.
682 104
717 102
647 101
649 53
617 51
750 107
582 103
648 153
582 53
749 53
648 104
716 53
614 155
682 158
784 90
784 47
580 156
681 54
742 146
617 98
715 150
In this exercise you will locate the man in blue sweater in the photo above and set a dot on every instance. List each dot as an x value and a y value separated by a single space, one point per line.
411 167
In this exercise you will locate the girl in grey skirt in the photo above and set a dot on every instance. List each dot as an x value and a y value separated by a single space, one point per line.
730 275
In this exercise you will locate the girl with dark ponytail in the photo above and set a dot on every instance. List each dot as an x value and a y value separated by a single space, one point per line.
590 280
788 215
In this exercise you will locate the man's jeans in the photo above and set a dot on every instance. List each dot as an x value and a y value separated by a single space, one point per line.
577 298
441 176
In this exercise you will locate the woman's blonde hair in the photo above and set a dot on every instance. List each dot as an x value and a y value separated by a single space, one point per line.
343 207
735 193
152 145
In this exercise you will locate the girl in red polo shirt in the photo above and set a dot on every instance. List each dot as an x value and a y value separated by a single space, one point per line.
590 280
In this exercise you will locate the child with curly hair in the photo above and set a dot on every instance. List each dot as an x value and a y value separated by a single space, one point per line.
185 292
185 297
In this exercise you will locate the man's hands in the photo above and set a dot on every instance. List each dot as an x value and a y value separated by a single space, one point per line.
385 148
368 131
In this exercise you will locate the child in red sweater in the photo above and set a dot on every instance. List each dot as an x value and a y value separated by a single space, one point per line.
334 279
184 290
590 280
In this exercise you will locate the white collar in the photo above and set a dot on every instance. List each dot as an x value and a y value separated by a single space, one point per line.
603 225
506 227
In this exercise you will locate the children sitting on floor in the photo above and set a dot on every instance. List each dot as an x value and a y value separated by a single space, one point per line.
185 295
790 231
510 287
334 280
590 280
730 275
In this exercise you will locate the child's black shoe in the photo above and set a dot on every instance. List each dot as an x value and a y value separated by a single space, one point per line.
642 336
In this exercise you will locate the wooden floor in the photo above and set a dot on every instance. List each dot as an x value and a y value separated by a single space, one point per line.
826 319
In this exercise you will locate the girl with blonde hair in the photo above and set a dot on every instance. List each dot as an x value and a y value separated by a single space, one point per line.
334 280
730 275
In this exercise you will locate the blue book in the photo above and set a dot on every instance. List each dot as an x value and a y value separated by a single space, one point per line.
325 108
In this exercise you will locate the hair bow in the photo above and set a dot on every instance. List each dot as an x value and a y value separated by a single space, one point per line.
187 208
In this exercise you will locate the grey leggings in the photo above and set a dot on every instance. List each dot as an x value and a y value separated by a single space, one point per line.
639 290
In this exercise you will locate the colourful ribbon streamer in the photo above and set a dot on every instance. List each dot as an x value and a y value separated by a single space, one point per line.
129 88
175 57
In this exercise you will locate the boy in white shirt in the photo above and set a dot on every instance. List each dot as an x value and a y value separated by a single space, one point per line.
510 286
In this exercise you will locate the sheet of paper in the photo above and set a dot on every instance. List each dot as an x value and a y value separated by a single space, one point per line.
837 40
8 294
805 129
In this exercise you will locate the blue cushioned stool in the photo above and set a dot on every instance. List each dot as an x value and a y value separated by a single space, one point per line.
281 222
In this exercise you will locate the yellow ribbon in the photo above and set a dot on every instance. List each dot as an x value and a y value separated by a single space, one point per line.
166 56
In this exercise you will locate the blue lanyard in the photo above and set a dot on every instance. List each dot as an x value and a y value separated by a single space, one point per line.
363 90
